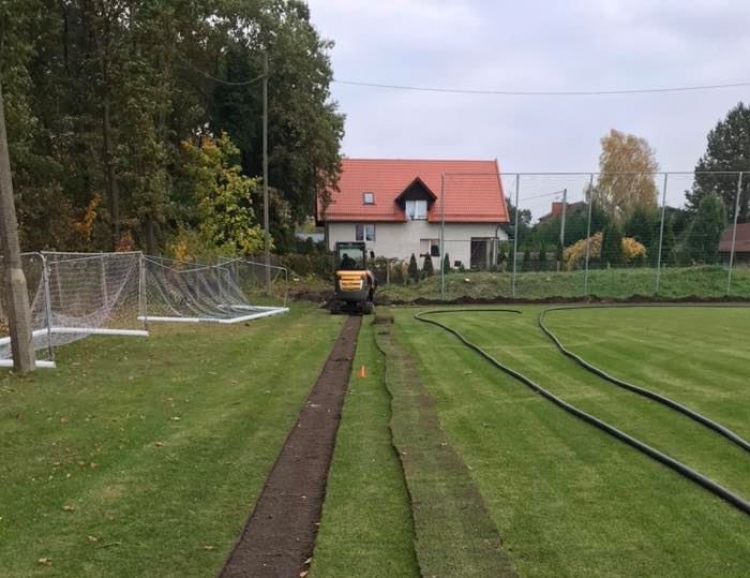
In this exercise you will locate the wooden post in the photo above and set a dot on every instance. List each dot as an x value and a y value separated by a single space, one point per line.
19 315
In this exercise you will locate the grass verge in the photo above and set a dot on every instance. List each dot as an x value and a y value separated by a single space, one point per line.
455 535
708 281
569 500
143 457
366 528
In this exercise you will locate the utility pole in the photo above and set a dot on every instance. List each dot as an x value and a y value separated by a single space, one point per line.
266 231
564 211
19 316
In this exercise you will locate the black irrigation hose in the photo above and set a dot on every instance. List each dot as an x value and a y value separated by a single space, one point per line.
694 415
653 453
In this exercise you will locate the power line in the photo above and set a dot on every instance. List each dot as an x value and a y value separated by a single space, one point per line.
219 80
546 92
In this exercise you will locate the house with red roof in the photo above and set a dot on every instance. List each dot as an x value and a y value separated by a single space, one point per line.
400 207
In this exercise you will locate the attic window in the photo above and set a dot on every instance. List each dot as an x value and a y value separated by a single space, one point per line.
368 198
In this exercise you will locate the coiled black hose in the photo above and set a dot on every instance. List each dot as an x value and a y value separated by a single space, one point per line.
694 415
679 467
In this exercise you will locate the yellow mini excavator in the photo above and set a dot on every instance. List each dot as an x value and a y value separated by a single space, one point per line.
354 283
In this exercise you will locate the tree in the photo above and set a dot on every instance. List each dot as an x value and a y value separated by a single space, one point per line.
428 270
727 149
706 229
542 258
643 226
627 165
224 220
447 264
611 247
524 222
103 94
413 269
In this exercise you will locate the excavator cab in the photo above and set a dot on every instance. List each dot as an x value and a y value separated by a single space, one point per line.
355 285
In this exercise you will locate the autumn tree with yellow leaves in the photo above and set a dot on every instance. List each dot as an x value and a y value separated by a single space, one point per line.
627 166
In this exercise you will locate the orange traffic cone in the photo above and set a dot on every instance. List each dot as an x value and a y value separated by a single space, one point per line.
362 371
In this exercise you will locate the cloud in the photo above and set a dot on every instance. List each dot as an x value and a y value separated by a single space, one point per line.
533 45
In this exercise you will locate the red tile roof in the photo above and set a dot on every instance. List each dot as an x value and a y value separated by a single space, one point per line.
742 243
473 190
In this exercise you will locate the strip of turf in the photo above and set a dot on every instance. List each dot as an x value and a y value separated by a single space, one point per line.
455 535
142 457
569 500
366 529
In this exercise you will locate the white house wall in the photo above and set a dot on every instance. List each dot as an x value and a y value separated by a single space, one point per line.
400 240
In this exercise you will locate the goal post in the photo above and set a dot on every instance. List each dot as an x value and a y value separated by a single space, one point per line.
225 292
74 295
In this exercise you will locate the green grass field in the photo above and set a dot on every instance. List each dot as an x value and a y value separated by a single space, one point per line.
696 356
568 499
143 457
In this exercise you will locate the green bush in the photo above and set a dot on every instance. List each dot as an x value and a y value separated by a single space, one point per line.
413 269
447 264
428 270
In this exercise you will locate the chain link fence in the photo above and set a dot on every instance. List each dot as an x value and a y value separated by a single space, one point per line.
579 235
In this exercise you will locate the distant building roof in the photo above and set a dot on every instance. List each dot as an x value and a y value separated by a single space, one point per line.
557 207
742 243
372 189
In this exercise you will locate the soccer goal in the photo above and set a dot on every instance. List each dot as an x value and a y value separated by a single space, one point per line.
74 295
226 292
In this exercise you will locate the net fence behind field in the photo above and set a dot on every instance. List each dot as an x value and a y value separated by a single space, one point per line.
581 234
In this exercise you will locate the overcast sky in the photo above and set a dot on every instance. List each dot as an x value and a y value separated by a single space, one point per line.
534 45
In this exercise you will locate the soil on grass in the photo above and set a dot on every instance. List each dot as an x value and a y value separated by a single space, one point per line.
279 536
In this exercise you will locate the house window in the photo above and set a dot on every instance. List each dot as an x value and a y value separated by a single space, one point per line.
429 247
416 210
364 232
368 198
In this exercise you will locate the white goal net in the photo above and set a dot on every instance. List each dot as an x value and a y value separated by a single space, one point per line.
230 291
73 295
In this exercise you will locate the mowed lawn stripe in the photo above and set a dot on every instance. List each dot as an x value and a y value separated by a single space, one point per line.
650 422
455 535
568 499
697 356
366 529
159 447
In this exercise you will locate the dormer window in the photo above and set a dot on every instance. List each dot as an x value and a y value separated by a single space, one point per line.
368 198
416 210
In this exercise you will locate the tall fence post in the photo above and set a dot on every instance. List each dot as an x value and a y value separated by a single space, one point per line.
588 236
442 236
661 232
515 239
734 232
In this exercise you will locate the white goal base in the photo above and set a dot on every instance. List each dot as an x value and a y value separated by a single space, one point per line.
39 364
82 331
261 312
